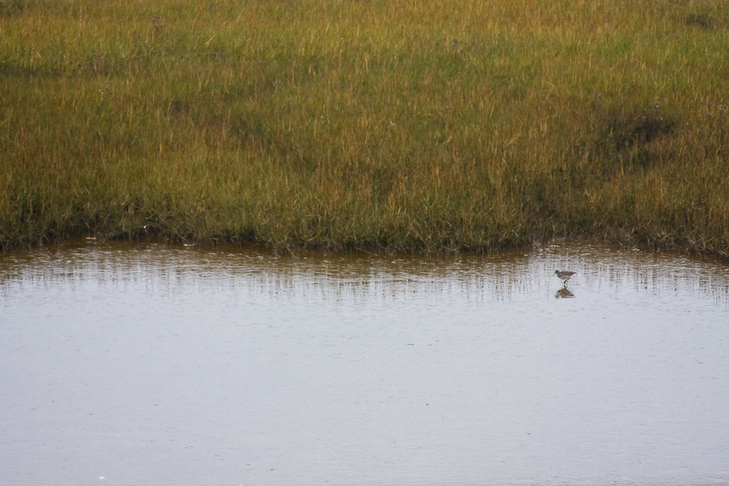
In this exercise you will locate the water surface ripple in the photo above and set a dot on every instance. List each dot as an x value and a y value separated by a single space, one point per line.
153 364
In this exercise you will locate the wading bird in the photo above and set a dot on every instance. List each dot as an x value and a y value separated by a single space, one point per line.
564 275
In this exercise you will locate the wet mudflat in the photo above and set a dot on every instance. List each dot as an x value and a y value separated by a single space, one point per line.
151 364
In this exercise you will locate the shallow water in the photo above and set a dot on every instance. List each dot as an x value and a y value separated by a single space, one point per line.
152 364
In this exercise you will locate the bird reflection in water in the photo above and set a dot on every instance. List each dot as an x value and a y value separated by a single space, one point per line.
564 293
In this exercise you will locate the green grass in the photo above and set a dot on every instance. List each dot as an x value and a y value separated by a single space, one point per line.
466 125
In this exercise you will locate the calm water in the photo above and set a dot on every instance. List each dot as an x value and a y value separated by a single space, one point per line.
170 365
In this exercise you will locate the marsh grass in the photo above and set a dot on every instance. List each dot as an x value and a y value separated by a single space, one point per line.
344 125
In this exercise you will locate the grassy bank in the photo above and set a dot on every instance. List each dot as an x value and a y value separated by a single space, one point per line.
342 124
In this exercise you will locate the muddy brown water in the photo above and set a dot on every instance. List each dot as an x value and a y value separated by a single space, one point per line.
152 364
